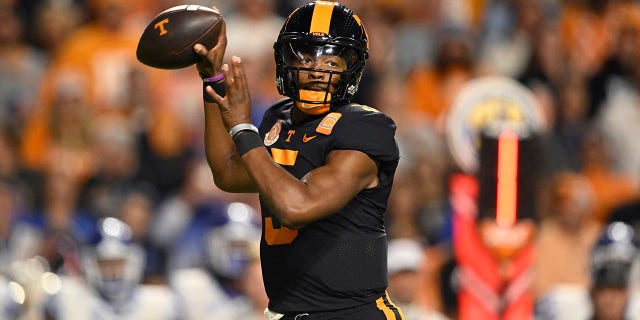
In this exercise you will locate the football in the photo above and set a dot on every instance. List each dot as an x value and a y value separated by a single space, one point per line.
167 41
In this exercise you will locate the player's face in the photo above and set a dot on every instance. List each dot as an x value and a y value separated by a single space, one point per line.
609 302
318 80
321 66
112 269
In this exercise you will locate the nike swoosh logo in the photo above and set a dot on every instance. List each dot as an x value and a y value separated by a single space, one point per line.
307 139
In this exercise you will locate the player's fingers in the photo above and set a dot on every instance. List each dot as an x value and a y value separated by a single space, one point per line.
200 50
217 98
222 36
239 77
228 75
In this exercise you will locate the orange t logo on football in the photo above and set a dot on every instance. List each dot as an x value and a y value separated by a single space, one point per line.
160 25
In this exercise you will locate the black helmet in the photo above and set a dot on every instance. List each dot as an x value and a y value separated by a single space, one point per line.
613 255
321 28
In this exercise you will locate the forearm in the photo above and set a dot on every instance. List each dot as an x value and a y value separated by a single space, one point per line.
226 166
284 194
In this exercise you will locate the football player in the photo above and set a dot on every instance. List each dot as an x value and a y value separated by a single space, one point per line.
112 266
322 166
221 285
612 259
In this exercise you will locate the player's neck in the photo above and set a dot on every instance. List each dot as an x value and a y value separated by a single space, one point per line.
299 116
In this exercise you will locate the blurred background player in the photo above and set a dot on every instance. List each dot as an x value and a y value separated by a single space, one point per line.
405 259
612 261
112 266
229 284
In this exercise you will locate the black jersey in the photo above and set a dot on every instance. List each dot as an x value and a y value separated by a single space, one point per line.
340 261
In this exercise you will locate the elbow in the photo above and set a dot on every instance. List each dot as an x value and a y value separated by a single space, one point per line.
225 182
293 217
292 223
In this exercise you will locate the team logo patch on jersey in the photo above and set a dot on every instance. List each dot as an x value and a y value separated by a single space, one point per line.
306 138
327 124
273 134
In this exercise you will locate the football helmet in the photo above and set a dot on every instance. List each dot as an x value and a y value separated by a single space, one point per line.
233 240
613 256
112 263
317 29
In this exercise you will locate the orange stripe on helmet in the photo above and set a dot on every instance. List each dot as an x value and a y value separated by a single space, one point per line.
355 16
321 19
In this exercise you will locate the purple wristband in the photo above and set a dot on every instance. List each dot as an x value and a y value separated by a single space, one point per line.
214 79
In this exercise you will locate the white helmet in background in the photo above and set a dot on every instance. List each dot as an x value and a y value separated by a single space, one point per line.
113 264
233 239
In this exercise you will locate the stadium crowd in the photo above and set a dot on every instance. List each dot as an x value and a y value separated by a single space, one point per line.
87 132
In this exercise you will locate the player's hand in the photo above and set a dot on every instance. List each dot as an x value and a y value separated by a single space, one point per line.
211 62
236 106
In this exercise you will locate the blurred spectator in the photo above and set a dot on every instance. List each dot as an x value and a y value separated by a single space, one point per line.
544 64
619 110
183 217
621 65
26 184
51 21
21 70
610 188
96 60
215 290
137 211
252 30
572 121
63 226
431 89
565 236
18 240
586 33
554 155
405 258
414 24
418 207
112 268
510 35
115 168
252 287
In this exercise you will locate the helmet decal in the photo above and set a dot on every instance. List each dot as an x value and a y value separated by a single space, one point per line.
321 19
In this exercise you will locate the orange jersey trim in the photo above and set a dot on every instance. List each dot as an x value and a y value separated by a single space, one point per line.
284 157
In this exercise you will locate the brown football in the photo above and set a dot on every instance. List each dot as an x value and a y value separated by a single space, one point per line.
167 41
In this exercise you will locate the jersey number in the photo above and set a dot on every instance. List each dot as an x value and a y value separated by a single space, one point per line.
275 236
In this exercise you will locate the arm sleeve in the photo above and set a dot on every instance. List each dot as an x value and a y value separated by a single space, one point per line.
372 133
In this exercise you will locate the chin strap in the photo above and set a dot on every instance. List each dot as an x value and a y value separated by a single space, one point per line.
314 108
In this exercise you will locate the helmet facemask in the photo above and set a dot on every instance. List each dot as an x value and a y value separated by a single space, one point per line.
114 265
317 74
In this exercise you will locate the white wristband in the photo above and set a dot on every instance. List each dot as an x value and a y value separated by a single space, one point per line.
242 127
